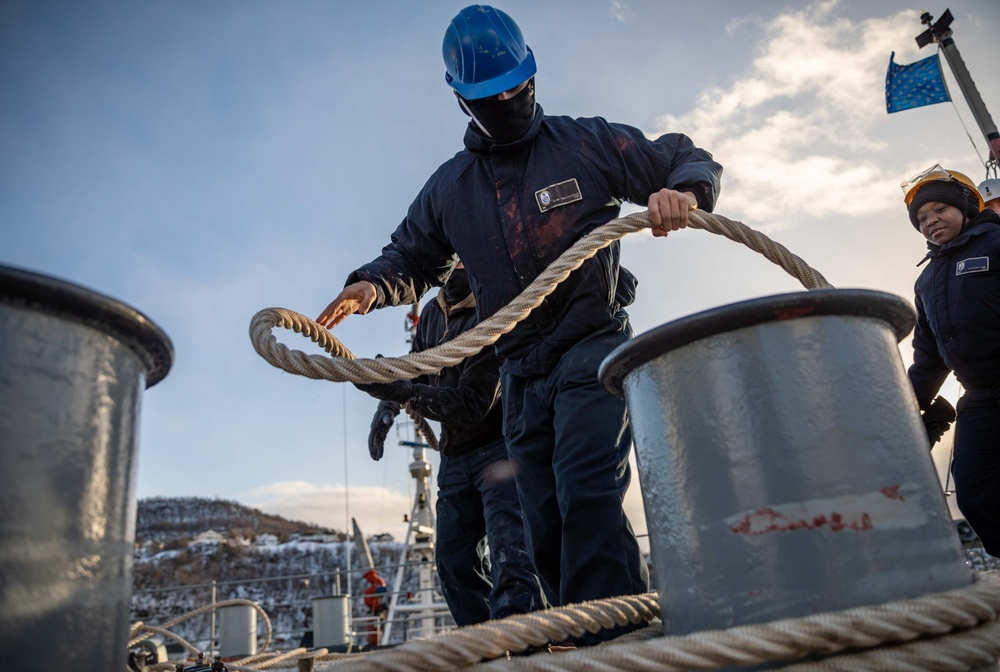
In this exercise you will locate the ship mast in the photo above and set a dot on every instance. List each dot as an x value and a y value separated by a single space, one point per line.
940 32
418 548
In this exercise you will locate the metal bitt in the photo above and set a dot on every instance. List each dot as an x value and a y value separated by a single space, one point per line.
237 631
331 621
73 365
783 464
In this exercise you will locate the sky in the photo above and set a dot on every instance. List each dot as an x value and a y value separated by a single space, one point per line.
201 161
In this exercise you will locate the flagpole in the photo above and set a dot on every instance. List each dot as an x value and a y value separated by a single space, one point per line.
940 33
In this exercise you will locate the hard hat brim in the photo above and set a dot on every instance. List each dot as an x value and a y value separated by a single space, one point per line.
933 174
524 71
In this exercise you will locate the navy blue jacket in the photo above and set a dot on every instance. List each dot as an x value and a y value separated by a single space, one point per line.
464 398
958 312
508 210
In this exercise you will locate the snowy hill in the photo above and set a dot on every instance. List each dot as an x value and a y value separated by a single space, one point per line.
167 519
183 545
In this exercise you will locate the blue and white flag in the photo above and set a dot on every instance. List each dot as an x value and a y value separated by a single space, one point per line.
914 85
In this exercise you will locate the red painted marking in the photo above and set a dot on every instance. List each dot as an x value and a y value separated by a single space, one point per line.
892 492
792 313
767 520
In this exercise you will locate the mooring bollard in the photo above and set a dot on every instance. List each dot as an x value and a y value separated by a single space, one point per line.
331 621
73 364
237 631
784 467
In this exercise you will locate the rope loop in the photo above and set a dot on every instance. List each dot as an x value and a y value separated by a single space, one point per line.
343 366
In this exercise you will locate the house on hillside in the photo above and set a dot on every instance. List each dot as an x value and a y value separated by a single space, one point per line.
209 538
267 539
318 538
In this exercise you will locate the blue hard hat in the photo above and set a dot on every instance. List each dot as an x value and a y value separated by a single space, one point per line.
484 53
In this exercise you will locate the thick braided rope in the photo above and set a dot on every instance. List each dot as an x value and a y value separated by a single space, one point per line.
255 663
950 630
151 630
260 661
135 637
273 662
462 647
156 630
421 424
260 334
959 626
961 650
272 659
955 652
344 367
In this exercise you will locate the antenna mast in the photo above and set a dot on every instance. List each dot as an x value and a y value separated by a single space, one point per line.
940 32
418 548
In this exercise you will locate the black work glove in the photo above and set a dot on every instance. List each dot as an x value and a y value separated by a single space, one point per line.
937 419
385 415
398 391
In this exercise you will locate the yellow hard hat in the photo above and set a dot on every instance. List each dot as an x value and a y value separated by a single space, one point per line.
934 174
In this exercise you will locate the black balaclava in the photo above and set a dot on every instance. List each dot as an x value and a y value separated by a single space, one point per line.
503 120
457 287
951 193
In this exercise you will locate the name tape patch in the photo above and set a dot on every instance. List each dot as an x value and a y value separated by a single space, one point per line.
559 194
973 265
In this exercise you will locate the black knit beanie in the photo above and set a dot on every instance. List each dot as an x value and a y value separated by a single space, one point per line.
951 193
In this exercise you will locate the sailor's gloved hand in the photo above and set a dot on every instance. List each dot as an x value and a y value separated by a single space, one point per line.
385 415
937 419
398 391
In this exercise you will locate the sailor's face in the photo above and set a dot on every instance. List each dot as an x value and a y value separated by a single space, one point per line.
939 222
994 205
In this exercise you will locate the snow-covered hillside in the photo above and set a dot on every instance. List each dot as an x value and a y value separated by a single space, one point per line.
183 545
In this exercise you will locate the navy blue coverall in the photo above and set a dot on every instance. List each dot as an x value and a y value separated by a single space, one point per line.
507 211
958 329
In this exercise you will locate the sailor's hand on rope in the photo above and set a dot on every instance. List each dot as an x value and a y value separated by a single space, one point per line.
357 297
385 415
668 210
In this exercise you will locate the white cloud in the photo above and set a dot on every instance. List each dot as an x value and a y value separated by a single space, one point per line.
794 130
621 12
376 509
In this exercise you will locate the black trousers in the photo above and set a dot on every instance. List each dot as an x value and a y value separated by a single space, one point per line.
478 503
569 442
976 466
